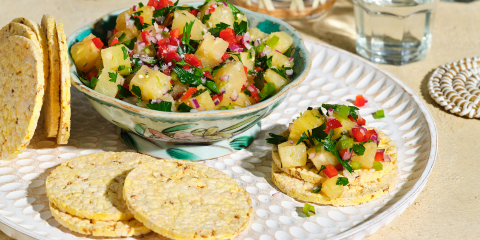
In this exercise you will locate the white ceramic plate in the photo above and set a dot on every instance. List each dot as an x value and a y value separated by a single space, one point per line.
336 77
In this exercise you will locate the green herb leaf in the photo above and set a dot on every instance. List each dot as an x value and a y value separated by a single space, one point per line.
137 23
198 92
163 106
137 91
184 108
259 81
276 139
212 86
140 4
121 68
186 77
93 82
321 169
122 36
317 189
269 62
206 18
136 65
130 43
359 149
329 145
308 210
125 53
138 13
218 28
303 137
281 71
85 81
263 96
113 76
241 28
343 181
123 92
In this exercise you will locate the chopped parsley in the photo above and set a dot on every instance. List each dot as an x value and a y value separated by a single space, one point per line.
125 53
121 37
184 108
218 28
321 169
137 91
123 92
113 76
317 189
329 145
276 139
343 181
163 106
121 68
241 28
359 149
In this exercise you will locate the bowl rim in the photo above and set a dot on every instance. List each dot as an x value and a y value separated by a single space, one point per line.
196 115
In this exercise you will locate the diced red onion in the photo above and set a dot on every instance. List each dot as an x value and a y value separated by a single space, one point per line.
216 101
262 54
347 155
374 137
290 59
146 59
251 88
291 141
152 39
156 101
164 67
207 12
236 48
312 155
195 102
277 51
311 212
129 24
156 68
222 90
224 3
386 158
362 129
234 95
224 78
257 42
366 101
289 72
140 46
276 195
172 48
158 36
204 80
246 38
381 151
134 8
330 111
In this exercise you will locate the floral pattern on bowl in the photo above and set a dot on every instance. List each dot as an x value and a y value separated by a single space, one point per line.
199 127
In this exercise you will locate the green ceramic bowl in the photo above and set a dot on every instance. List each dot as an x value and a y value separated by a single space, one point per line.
206 126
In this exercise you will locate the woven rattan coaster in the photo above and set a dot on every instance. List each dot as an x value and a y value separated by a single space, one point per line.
456 87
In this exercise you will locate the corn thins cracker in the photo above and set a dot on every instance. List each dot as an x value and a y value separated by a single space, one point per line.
124 228
97 181
185 200
41 38
22 84
355 192
51 108
65 112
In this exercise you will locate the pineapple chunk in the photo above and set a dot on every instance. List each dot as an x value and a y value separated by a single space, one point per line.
237 78
205 100
248 60
275 78
368 157
147 14
292 155
211 50
105 86
280 60
85 54
182 17
284 41
114 57
323 157
242 101
154 84
256 33
347 125
309 120
129 34
222 14
331 189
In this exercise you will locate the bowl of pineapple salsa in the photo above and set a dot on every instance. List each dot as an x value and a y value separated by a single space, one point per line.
202 72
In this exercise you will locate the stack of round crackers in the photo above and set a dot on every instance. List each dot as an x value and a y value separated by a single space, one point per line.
33 65
128 194
364 184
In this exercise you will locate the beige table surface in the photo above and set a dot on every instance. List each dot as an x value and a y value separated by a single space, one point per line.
449 206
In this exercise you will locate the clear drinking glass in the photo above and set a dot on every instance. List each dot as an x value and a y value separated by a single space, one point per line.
394 31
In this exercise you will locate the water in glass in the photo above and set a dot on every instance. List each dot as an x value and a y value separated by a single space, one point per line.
393 31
